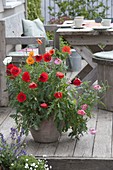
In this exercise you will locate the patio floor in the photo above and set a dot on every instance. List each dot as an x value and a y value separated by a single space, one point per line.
91 152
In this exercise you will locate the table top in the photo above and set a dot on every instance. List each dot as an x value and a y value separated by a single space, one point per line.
89 26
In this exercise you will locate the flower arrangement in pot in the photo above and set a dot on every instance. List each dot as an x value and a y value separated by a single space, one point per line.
41 92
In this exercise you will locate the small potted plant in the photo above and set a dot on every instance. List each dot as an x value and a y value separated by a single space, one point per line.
45 100
26 162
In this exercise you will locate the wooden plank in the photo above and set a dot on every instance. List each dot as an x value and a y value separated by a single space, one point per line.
86 54
80 164
105 72
84 146
81 74
112 137
3 87
23 40
103 138
94 48
1 6
92 76
7 124
4 113
108 48
108 76
56 40
72 75
46 149
13 24
27 40
87 38
51 27
32 146
66 145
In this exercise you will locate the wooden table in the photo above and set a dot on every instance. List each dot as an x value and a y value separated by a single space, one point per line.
87 41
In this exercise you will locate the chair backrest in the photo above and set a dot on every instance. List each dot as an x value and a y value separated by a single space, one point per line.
13 25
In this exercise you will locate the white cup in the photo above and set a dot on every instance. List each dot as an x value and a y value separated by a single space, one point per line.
78 21
106 22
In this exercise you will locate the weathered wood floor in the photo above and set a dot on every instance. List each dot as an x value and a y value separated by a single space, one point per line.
91 152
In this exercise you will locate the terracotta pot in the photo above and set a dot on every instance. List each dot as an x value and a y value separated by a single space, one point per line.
47 133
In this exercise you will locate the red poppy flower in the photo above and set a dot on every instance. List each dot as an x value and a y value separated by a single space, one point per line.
21 97
33 85
66 49
77 82
15 71
60 75
26 77
9 67
38 58
47 57
43 77
44 105
58 95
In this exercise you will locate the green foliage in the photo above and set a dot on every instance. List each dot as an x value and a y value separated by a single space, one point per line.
90 9
9 151
26 162
55 96
13 155
34 9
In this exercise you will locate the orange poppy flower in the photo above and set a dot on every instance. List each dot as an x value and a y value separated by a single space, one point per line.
66 49
31 53
39 41
30 60
51 52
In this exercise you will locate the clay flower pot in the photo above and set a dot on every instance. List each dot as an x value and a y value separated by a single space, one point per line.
47 133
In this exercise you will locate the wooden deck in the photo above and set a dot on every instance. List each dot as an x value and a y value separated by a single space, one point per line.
91 152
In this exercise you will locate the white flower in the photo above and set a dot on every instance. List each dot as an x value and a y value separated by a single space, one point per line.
26 159
33 164
7 60
46 165
12 164
31 168
26 165
47 168
50 167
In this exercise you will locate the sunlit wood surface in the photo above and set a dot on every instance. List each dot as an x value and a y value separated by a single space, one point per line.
91 152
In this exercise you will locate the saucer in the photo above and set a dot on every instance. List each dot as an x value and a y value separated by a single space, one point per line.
102 28
74 27
65 26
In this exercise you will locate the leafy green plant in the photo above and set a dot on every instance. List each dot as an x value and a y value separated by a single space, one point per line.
27 162
10 151
40 89
90 9
34 9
